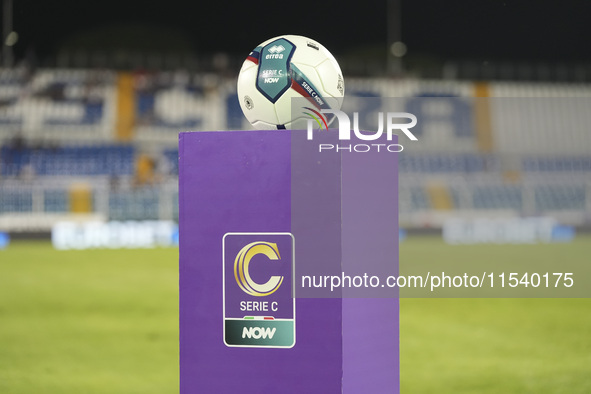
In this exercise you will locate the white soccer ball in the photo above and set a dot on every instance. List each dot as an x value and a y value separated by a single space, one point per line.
284 68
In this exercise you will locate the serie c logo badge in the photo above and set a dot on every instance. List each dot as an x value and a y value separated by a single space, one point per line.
242 275
258 290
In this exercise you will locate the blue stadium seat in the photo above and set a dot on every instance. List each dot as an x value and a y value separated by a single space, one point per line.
552 164
560 197
140 204
56 201
497 197
419 199
67 161
444 163
15 201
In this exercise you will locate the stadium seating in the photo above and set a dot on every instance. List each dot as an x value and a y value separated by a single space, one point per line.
444 163
142 204
68 160
58 127
560 197
56 200
15 200
558 163
497 197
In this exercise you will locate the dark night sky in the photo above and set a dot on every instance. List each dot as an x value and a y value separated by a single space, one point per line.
484 29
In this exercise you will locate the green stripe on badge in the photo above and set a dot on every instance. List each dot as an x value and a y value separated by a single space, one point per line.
259 333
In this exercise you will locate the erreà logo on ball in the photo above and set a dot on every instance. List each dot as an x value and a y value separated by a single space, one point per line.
258 291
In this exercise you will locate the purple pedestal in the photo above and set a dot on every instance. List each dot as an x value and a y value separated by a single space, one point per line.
258 210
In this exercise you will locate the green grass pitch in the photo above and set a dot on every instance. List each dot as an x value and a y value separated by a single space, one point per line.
106 321
100 321
496 345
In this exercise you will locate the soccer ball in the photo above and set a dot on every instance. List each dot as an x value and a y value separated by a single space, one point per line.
284 68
